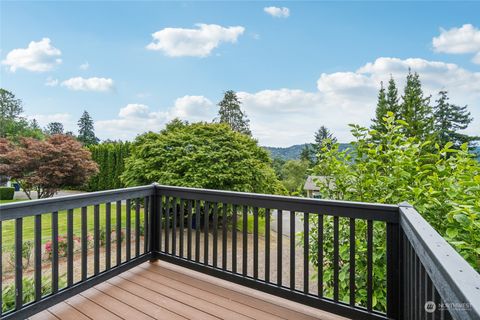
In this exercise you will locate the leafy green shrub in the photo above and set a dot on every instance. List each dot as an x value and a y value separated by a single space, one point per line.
27 248
7 193
201 155
28 283
443 185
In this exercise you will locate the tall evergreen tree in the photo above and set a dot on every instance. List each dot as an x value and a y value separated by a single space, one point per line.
323 137
231 113
415 109
450 118
308 154
86 131
54 128
387 102
34 124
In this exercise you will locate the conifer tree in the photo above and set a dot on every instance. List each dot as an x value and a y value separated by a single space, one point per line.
450 118
54 128
323 137
380 111
415 109
231 113
392 97
86 131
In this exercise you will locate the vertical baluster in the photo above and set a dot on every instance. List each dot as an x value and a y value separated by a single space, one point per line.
234 239
167 224
146 233
160 219
96 239
393 272
137 227
292 250
1 268
189 230
18 263
279 246
119 231
267 245
174 224
150 224
224 236
108 234
245 241
335 258
38 257
70 248
306 248
84 243
352 262
320 255
182 225
369 264
255 242
197 230
55 252
206 220
128 229
215 234
416 305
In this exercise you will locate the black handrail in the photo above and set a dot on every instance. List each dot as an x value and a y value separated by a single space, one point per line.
200 229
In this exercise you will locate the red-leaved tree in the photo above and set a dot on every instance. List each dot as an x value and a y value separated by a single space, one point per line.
46 166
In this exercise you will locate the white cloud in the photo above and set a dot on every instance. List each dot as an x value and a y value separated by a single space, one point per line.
277 12
134 118
84 66
51 82
38 56
282 117
200 42
192 108
89 84
465 39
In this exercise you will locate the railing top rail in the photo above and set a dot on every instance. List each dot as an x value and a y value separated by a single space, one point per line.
456 281
28 208
361 210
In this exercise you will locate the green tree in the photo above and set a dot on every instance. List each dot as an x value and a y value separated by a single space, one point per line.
449 119
381 110
415 109
308 154
86 131
231 113
294 173
392 97
443 184
12 125
323 138
202 155
54 128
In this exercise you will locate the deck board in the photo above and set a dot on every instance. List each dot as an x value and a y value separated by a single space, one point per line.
165 291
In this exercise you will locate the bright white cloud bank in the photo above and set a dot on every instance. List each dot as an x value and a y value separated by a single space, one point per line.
137 118
200 42
277 12
38 56
465 39
89 84
283 117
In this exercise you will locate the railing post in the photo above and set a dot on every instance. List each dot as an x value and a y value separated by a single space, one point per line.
154 236
394 262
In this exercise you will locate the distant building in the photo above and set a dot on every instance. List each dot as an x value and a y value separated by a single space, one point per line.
311 187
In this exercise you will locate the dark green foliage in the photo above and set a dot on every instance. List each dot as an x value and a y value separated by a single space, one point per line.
231 113
12 125
201 155
86 131
54 128
450 118
416 110
7 193
110 158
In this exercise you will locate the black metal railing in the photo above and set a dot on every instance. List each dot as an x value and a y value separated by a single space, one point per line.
358 260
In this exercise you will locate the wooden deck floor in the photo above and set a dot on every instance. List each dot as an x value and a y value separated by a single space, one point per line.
164 291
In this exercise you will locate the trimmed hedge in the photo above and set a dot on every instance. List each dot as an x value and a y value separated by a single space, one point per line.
7 193
110 158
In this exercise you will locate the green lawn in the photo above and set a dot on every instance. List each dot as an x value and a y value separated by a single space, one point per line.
261 224
8 227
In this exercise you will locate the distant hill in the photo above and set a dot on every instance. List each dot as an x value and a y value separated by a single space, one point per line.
292 152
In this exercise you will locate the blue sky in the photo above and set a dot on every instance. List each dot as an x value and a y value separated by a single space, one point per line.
320 64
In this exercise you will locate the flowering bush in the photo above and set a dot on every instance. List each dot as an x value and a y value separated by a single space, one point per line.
62 247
